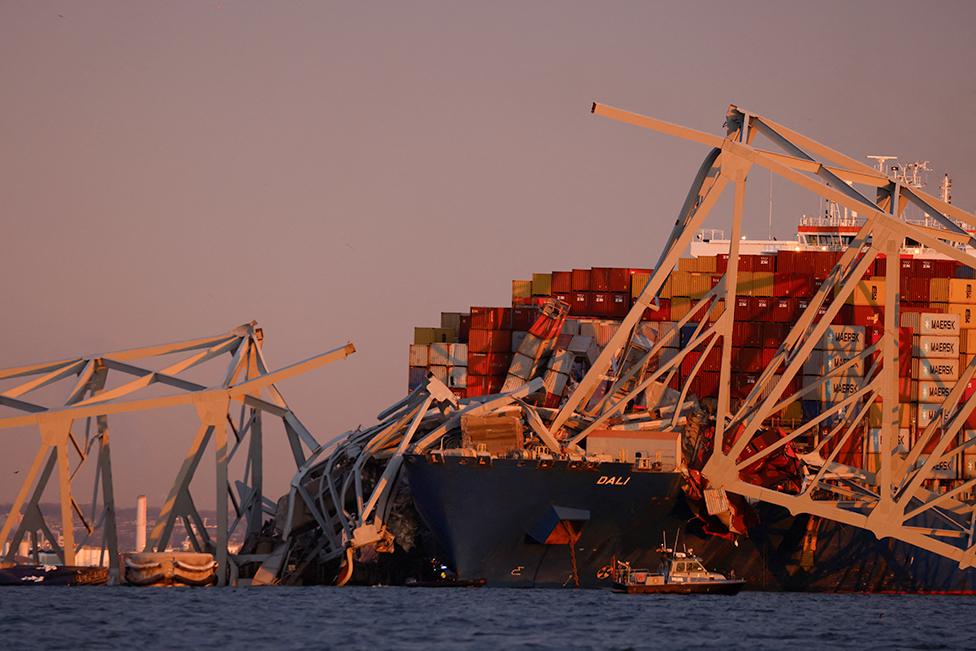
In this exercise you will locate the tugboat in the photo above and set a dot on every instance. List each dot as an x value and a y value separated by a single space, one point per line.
679 573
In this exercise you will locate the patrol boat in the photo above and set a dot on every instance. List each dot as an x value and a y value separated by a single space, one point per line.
679 573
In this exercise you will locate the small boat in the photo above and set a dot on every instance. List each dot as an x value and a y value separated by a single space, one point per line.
679 573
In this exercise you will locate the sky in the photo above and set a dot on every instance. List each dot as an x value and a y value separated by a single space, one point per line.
346 171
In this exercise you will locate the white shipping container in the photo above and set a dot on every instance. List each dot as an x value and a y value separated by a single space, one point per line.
927 413
458 354
419 355
439 372
521 366
935 346
839 388
588 328
457 377
969 464
512 383
933 392
843 338
561 362
440 354
902 442
945 469
605 330
938 324
580 344
822 362
555 383
943 370
517 337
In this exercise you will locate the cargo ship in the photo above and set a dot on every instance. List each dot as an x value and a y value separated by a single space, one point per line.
536 522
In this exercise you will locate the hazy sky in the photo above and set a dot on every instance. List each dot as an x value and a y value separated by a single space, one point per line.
347 171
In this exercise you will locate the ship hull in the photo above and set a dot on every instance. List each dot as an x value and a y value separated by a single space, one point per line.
491 521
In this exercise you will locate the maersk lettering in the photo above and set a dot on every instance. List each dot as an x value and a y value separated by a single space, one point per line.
943 324
940 369
942 347
845 387
847 337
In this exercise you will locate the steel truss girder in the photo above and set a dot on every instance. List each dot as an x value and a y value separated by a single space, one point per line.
246 381
892 498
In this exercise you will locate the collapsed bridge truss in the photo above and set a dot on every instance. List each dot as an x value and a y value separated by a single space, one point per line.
348 493
74 435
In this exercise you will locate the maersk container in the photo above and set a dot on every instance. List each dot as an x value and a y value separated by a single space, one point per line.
935 346
843 338
419 355
939 324
938 370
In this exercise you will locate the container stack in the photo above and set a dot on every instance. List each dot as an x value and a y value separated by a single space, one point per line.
936 341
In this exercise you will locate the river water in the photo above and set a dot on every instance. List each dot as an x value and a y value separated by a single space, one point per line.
379 618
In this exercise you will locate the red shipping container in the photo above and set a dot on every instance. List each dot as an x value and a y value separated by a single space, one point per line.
745 309
489 341
915 289
562 282
489 363
743 383
923 268
688 363
721 263
600 304
706 384
786 261
564 297
746 334
747 360
747 262
867 315
618 280
824 262
880 268
581 280
580 304
907 265
767 356
762 308
764 263
523 317
663 313
944 268
619 304
480 385
600 279
783 310
773 334
491 318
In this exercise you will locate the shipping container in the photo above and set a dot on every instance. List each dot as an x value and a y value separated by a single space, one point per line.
491 318
542 284
581 280
580 304
843 338
457 377
599 279
938 324
489 341
521 289
935 346
439 354
618 280
416 376
432 335
458 355
439 373
562 282
489 363
965 313
962 290
419 355
939 370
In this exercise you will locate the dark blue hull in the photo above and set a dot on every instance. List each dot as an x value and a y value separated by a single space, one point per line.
493 520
